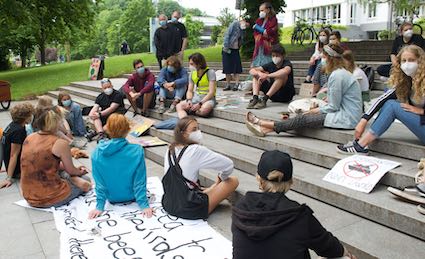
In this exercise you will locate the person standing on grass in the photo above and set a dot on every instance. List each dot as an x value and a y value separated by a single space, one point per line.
173 80
12 140
49 177
275 80
167 39
232 64
200 96
115 182
139 89
108 102
181 28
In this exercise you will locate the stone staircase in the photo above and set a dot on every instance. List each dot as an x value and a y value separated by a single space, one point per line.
374 225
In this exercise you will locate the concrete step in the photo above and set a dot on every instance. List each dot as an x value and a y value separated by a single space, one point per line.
361 236
313 151
308 179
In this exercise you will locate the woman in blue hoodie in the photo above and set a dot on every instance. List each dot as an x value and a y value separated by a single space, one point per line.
114 182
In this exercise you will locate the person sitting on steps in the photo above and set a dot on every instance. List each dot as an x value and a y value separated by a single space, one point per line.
108 102
268 224
114 182
405 102
173 80
196 157
275 80
74 116
343 110
200 96
48 175
139 89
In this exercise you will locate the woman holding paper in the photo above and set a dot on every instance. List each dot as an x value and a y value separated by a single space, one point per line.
115 182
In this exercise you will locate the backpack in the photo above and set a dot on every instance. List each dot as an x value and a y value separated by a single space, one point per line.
179 200
370 73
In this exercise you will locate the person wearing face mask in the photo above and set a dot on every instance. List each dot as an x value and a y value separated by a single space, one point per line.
74 116
167 40
275 79
200 96
405 102
139 89
315 58
343 110
193 158
233 39
108 102
12 141
181 28
406 37
266 34
173 80
335 38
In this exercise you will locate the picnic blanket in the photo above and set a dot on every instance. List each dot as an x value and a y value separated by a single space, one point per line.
122 232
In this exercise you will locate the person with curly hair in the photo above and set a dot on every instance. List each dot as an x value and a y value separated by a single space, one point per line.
405 102
12 140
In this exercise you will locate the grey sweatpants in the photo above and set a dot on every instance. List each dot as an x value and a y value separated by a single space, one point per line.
300 121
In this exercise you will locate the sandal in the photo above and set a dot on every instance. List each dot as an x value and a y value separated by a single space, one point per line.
411 194
250 117
255 128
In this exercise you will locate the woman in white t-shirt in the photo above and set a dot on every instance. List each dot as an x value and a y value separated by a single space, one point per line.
358 73
197 157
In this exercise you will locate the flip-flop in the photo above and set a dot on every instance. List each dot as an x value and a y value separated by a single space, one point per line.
255 128
408 195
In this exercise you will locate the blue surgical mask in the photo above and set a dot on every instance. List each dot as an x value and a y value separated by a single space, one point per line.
171 69
67 103
174 19
162 23
140 70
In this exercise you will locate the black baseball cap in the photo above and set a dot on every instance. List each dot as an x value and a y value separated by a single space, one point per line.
275 160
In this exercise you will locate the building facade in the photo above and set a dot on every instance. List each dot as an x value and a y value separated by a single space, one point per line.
363 21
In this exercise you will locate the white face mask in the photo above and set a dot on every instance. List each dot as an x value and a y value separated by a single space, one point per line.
243 26
323 39
334 42
408 34
262 15
276 60
409 68
192 68
196 136
108 91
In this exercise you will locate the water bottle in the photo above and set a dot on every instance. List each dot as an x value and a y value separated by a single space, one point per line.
156 87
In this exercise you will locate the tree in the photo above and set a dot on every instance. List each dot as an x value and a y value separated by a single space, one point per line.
226 17
252 12
194 12
410 6
194 30
167 7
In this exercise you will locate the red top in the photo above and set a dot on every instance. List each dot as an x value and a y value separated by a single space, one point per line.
142 84
268 40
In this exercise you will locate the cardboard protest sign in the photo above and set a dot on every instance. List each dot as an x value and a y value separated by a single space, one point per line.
360 173
94 68
141 127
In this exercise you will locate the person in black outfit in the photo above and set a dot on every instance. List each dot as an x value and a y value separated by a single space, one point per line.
269 225
12 140
181 28
124 48
275 80
406 37
166 40
108 102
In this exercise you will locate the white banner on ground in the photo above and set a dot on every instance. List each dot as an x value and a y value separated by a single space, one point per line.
122 232
360 173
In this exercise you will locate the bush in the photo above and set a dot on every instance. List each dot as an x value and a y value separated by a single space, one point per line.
386 35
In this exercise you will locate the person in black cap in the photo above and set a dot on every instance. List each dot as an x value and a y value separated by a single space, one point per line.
269 225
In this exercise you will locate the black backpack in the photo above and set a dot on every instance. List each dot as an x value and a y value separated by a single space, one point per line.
179 200
370 73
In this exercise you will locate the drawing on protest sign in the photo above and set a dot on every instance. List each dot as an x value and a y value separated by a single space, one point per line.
360 173
122 232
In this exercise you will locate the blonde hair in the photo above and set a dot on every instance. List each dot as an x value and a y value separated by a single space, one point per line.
403 83
117 126
274 183
348 56
44 102
48 121
21 112
333 63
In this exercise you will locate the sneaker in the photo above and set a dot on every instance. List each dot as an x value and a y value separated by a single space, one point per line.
227 88
235 87
172 108
161 108
90 135
352 148
252 103
145 113
261 104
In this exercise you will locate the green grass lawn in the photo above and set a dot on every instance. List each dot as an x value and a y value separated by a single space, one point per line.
29 82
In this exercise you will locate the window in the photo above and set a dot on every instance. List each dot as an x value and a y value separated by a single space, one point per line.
371 10
332 14
353 8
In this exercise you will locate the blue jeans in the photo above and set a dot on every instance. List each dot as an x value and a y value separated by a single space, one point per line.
75 120
178 93
391 111
312 68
